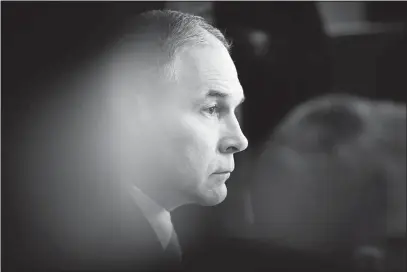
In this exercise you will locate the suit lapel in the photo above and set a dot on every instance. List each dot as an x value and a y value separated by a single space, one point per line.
147 247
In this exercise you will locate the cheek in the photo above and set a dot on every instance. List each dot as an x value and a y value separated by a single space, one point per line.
194 145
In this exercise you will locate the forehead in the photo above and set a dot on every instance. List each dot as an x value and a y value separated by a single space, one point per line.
208 67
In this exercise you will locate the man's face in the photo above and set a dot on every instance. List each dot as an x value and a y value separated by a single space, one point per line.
191 132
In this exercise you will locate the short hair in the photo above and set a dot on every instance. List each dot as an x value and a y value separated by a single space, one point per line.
165 34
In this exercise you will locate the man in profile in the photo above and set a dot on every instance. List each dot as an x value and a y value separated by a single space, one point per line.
176 108
164 133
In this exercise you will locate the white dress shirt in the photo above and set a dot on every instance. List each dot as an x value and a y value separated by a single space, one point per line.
158 217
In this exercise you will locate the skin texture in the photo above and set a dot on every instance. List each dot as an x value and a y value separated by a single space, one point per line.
174 137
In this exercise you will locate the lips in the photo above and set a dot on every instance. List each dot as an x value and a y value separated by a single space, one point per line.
222 176
222 172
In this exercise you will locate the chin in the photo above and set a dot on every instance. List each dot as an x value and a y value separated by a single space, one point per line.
213 196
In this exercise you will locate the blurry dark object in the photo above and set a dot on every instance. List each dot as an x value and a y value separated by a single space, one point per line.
386 12
369 259
391 70
332 179
279 19
259 255
200 8
396 253
42 41
282 57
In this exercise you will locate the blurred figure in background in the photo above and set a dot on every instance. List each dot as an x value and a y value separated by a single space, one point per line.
332 180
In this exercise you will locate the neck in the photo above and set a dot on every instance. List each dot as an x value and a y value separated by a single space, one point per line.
165 199
162 194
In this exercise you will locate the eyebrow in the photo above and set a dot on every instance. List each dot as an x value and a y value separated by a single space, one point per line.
219 94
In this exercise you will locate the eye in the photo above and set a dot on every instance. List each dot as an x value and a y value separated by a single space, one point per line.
213 110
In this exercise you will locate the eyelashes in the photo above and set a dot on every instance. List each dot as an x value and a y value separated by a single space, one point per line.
213 110
216 111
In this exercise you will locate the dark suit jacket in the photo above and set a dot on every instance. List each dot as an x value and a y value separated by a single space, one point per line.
242 255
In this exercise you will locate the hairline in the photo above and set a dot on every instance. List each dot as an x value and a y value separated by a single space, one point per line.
153 50
168 69
196 32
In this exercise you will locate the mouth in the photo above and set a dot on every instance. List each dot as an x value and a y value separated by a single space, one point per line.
222 176
223 173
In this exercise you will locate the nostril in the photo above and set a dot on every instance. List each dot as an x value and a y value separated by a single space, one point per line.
232 149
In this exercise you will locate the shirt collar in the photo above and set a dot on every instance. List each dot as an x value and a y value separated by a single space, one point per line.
158 217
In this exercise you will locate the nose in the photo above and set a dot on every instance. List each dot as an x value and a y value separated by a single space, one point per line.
233 140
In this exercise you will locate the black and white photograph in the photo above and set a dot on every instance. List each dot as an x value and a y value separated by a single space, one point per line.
203 136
